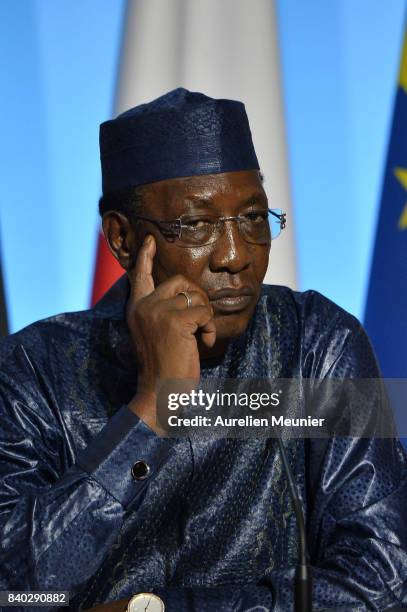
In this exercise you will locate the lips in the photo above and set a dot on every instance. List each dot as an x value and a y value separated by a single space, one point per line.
231 299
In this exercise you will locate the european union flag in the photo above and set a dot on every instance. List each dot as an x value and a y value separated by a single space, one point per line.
386 312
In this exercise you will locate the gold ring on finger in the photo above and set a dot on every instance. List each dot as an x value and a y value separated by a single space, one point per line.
187 297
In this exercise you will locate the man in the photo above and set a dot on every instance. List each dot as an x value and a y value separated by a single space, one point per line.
94 498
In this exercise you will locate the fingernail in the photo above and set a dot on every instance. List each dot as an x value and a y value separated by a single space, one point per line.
148 239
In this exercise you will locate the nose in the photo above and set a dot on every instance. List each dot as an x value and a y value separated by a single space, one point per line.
230 253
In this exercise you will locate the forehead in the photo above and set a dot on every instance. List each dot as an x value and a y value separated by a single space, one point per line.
218 191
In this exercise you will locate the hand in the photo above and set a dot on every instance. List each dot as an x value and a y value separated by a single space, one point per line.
164 331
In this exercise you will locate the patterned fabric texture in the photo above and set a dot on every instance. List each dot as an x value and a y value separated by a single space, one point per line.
213 527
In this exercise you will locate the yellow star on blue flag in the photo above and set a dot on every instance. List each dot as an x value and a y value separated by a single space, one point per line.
401 174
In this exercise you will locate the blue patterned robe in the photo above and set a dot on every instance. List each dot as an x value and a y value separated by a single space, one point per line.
212 527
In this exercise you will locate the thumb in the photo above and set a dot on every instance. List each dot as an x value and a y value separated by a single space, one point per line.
141 278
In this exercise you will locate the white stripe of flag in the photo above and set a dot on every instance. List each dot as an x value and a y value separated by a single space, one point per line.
225 49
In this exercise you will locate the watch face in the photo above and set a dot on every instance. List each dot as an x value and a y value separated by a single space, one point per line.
145 602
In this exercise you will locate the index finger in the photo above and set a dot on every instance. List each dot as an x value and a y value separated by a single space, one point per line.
141 278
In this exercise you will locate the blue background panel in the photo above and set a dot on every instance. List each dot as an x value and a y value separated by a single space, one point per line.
340 63
58 71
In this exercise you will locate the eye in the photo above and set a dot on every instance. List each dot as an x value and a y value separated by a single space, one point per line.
256 216
196 222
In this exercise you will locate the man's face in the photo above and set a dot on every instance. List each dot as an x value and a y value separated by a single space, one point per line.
231 265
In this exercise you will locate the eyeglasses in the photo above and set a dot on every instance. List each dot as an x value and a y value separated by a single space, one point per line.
190 230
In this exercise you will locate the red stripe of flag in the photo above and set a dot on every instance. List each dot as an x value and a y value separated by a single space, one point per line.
107 270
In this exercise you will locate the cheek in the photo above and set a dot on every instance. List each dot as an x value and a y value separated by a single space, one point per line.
176 260
260 261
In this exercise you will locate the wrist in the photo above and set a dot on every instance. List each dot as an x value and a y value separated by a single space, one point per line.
143 401
144 405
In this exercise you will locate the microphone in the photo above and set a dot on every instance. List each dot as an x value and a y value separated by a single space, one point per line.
303 576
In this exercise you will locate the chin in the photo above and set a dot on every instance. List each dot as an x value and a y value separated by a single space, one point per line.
230 326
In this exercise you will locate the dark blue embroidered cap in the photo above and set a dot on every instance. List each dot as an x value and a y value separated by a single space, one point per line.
182 133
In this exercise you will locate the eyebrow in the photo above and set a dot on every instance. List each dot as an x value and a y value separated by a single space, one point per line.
255 198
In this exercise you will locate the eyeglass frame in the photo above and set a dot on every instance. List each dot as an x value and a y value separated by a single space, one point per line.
161 223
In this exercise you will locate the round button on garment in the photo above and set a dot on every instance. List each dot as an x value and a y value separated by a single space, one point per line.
140 470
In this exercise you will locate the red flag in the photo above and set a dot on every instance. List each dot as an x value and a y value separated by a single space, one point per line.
107 270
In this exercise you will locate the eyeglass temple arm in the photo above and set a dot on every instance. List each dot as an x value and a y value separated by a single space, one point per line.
168 228
281 217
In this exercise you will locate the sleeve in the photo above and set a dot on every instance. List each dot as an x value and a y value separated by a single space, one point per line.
59 516
357 534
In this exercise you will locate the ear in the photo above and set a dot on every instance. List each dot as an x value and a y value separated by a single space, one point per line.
120 238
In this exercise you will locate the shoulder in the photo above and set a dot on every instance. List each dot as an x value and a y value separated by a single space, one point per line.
40 339
70 330
308 310
326 335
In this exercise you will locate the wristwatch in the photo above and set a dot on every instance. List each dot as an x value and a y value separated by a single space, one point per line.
145 601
